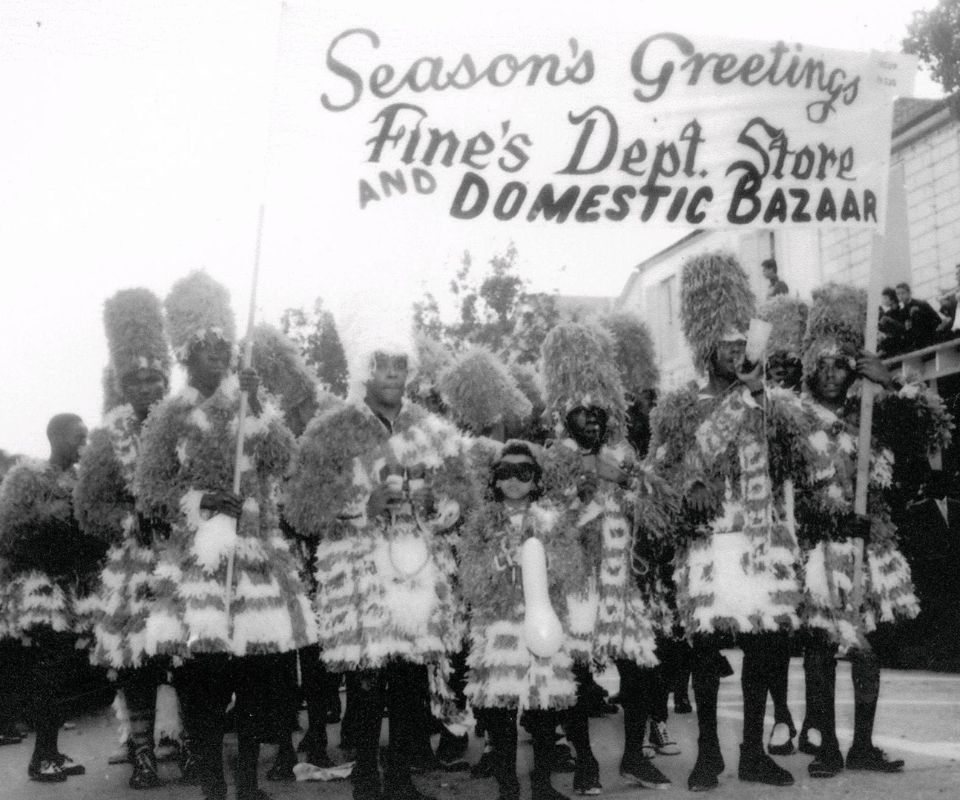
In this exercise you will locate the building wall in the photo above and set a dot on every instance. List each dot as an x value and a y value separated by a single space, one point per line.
809 258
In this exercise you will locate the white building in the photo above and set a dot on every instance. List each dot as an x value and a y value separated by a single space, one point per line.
925 145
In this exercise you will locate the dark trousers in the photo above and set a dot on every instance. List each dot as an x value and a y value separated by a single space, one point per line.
764 655
53 669
399 687
820 670
501 724
639 687
205 684
140 691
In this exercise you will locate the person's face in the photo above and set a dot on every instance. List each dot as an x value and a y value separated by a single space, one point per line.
833 378
586 426
515 476
784 371
903 295
388 378
209 362
729 358
142 388
72 441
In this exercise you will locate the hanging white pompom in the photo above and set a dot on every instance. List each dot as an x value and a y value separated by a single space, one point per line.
541 627
214 540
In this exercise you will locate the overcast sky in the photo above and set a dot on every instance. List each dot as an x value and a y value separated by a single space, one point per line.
136 146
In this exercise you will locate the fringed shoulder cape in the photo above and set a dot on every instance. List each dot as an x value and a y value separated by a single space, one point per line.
911 419
48 565
736 571
188 449
503 673
105 508
372 603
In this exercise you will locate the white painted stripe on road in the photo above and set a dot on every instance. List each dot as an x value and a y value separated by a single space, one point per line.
948 750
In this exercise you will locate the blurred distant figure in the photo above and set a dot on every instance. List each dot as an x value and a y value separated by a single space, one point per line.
920 319
891 324
948 316
777 286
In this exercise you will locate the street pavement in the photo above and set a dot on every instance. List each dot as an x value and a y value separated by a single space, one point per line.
918 720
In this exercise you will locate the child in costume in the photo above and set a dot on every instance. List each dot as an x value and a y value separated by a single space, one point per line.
505 676
378 482
833 359
739 452
229 600
105 508
613 620
49 569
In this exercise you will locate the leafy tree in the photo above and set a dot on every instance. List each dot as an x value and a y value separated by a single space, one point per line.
496 311
315 333
934 36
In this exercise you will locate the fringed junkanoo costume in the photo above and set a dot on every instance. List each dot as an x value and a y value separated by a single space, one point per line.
832 536
506 676
188 450
105 508
612 617
371 604
744 454
48 570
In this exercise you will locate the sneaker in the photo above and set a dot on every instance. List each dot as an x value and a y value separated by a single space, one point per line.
643 772
826 764
46 771
68 766
661 740
873 759
586 778
757 767
781 740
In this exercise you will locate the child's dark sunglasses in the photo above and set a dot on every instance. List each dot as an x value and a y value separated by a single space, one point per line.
522 472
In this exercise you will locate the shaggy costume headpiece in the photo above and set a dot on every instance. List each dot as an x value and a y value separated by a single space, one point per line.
133 321
530 382
433 357
835 326
715 301
480 391
370 324
634 353
283 371
198 305
579 371
788 320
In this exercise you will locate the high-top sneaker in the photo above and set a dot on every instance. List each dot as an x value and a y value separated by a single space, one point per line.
145 774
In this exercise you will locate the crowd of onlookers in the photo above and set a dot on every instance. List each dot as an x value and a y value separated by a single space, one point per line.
906 323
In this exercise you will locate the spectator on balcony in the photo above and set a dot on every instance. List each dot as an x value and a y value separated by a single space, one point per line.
891 324
920 319
777 286
946 330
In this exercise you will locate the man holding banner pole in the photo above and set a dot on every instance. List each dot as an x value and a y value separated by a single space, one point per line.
229 640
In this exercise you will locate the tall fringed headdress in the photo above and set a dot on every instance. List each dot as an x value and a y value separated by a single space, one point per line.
480 391
433 357
634 352
530 382
133 321
715 302
835 326
579 370
198 305
375 323
788 324
283 371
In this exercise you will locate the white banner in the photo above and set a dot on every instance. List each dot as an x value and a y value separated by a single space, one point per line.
570 130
